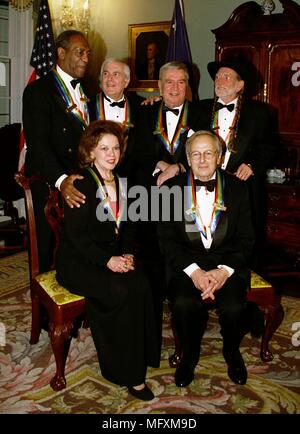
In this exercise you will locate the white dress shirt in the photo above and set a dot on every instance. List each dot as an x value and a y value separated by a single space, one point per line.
206 199
116 114
225 119
172 121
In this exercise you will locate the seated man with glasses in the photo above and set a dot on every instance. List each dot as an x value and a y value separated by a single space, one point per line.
207 249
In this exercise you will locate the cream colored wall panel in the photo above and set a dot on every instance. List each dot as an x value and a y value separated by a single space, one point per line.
110 19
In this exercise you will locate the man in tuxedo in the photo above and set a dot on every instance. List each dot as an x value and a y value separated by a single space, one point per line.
164 127
55 113
245 126
113 104
159 154
208 251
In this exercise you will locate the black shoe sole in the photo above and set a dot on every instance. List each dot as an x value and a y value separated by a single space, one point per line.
144 395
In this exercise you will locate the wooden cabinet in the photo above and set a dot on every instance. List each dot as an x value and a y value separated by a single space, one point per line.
272 44
283 221
282 255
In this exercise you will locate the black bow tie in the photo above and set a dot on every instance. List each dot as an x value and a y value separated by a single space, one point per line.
167 109
74 82
209 185
120 104
229 107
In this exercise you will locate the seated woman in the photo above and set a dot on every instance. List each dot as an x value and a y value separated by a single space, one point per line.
95 260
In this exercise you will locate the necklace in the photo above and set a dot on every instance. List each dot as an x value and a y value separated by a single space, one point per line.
109 180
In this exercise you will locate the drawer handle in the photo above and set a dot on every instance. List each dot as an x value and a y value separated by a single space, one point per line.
274 212
274 196
272 229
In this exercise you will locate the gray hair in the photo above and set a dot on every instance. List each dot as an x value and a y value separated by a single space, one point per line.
217 141
173 65
112 60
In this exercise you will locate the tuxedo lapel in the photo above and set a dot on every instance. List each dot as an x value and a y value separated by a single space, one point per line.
240 142
183 136
61 102
222 227
220 231
190 228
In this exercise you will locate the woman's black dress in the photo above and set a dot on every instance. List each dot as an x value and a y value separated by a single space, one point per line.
119 305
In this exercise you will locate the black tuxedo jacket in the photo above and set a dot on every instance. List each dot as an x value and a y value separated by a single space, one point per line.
148 147
232 240
127 164
255 140
52 134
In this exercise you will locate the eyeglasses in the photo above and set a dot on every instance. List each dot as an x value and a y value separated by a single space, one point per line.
206 155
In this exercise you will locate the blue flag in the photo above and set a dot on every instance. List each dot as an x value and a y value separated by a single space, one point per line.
178 45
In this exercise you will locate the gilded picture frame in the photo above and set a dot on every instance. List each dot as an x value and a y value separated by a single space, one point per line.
142 39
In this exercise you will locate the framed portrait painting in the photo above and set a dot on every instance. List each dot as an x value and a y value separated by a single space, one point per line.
147 53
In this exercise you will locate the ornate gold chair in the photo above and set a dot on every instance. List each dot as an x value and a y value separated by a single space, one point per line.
263 294
53 306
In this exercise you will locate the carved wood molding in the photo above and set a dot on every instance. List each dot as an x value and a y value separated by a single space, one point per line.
21 5
249 17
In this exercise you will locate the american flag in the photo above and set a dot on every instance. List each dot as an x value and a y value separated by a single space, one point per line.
178 45
43 58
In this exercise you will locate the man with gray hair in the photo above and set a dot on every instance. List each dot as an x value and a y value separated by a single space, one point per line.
161 134
113 104
208 253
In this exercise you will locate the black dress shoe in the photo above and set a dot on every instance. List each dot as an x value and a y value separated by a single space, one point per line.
184 375
237 371
144 394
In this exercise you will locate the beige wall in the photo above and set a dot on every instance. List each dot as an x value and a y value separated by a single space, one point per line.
110 19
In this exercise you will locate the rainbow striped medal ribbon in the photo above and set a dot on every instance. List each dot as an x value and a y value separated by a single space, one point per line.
193 206
82 118
172 146
229 138
100 112
117 217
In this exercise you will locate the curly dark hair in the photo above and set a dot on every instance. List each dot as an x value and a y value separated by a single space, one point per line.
91 136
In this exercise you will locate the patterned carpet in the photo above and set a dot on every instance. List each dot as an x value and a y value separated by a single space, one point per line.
25 370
